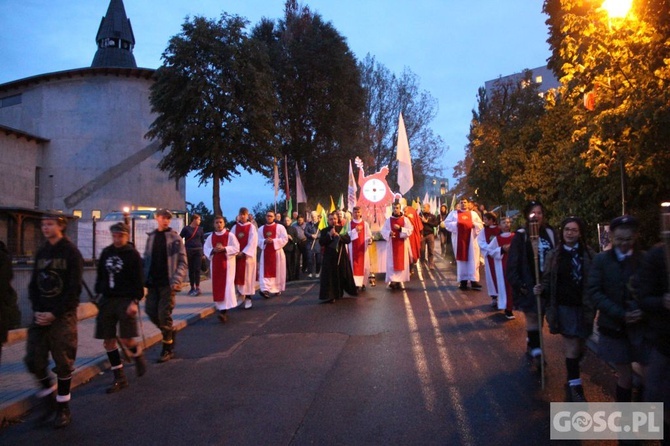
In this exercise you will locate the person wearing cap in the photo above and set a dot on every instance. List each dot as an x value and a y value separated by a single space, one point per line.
165 268
521 274
563 286
396 231
610 290
221 247
272 269
120 282
54 289
464 225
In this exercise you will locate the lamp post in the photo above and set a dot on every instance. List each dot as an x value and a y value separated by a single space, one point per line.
618 10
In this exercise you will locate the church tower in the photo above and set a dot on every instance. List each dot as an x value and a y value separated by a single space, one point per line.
115 39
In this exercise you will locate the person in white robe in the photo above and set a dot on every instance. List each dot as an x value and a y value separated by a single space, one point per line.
464 225
396 231
245 270
361 237
272 269
221 247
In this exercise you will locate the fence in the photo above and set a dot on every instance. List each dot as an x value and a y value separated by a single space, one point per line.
94 236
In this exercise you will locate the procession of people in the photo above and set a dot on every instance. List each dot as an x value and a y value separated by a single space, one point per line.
549 274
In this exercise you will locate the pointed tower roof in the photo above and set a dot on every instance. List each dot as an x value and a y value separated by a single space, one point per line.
115 39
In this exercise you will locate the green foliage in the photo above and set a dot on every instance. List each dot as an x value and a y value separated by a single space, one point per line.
572 158
319 120
214 99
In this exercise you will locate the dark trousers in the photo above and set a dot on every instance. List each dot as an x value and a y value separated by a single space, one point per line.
159 305
428 241
59 339
194 264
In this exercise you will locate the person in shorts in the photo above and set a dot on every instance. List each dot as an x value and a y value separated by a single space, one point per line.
120 283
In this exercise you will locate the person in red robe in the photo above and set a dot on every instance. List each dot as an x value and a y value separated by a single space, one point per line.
396 231
464 225
361 237
221 247
245 269
415 237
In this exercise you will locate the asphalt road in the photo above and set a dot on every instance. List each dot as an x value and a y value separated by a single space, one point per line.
425 365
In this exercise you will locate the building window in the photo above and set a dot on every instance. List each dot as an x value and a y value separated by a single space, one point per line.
538 79
10 100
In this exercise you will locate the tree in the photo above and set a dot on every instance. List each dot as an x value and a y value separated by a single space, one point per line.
386 97
503 137
320 116
214 100
624 67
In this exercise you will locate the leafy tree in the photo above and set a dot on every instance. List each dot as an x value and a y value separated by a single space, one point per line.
386 97
624 67
214 99
320 116
503 138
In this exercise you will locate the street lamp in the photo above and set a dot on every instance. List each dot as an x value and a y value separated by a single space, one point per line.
619 9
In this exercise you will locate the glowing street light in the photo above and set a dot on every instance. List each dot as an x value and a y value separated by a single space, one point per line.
617 9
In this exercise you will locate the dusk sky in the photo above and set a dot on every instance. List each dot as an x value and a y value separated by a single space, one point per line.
454 46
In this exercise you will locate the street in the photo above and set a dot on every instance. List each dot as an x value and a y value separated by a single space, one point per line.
428 364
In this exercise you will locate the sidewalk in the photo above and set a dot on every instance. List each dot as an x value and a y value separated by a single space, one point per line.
17 386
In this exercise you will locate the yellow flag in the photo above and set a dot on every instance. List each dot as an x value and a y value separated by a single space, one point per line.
319 208
332 204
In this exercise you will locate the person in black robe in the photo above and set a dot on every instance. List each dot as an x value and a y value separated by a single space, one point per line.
291 251
336 273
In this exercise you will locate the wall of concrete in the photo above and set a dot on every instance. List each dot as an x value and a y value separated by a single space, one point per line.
18 159
97 156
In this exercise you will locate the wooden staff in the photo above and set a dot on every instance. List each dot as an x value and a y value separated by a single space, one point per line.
534 228
665 236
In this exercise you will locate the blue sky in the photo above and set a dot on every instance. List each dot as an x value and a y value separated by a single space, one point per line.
454 46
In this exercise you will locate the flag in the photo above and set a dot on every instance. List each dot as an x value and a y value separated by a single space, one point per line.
300 197
405 177
453 203
289 208
319 208
340 203
426 199
351 190
324 219
332 205
276 180
288 189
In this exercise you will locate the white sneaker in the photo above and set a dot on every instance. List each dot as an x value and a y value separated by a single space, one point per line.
247 303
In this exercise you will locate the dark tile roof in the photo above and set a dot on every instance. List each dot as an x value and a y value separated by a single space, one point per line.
115 39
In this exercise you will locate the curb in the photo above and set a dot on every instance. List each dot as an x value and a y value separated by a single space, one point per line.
15 409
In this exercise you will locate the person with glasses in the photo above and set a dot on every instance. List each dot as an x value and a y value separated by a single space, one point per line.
563 286
272 238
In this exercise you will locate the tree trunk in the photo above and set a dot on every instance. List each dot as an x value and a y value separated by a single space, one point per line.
216 200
